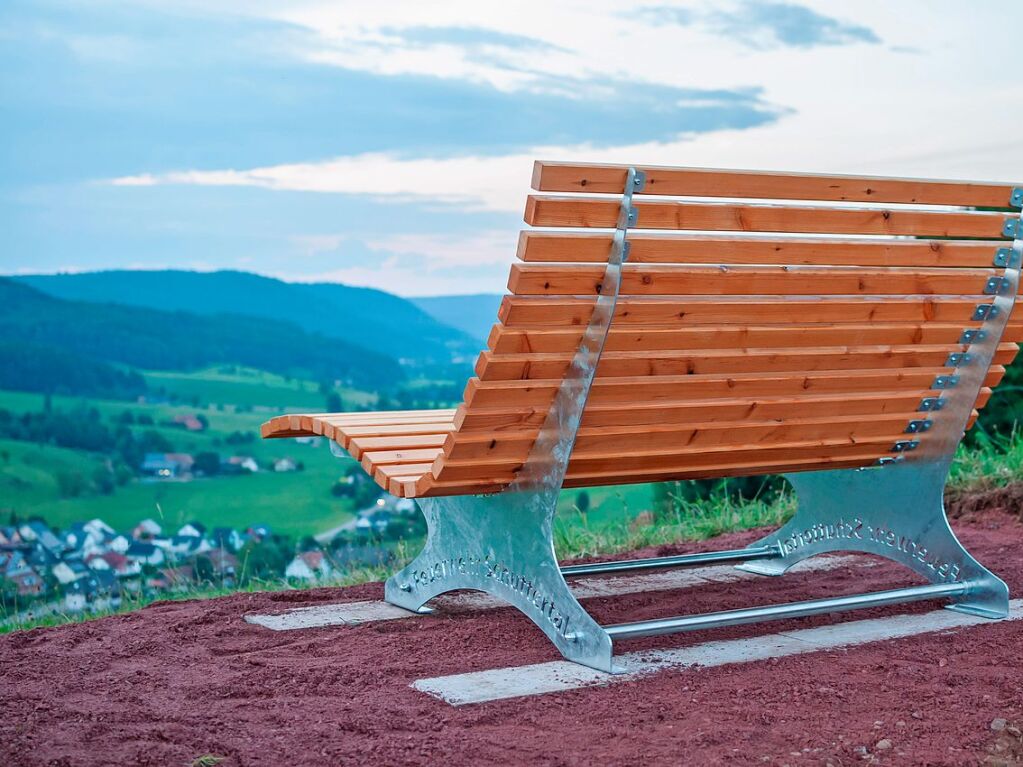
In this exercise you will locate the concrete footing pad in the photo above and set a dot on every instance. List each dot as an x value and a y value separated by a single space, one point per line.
354 613
559 676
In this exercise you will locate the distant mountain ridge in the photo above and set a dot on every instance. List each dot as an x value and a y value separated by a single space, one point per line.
472 314
379 322
47 336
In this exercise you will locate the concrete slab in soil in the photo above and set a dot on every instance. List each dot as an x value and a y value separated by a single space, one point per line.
558 676
354 613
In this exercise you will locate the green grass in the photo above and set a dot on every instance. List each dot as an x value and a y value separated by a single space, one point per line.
296 503
992 464
235 386
28 472
579 535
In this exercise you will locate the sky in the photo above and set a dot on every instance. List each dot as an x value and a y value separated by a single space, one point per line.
390 144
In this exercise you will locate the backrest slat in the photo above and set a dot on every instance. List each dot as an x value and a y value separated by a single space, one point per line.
661 248
707 182
597 212
778 322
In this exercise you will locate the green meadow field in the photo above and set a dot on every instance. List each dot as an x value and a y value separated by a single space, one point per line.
233 400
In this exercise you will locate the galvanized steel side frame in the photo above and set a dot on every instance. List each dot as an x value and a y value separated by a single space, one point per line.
503 543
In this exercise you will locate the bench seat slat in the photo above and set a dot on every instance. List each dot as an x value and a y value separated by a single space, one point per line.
595 212
709 182
662 248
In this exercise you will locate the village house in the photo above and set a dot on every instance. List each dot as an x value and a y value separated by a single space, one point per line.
190 422
145 530
36 531
116 563
226 538
167 465
285 464
239 464
193 528
68 571
309 566
145 553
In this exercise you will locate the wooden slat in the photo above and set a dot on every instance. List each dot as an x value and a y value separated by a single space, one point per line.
734 217
377 458
385 417
505 341
494 367
497 421
655 248
706 459
531 393
677 280
426 486
709 182
382 474
358 446
649 438
522 311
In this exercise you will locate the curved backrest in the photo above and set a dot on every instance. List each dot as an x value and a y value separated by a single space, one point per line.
766 323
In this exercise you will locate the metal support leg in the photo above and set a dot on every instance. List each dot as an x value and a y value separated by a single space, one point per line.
502 545
893 511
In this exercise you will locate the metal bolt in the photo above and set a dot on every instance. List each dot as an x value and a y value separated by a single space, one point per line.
1011 227
996 285
915 427
905 446
1017 197
1004 257
931 404
972 336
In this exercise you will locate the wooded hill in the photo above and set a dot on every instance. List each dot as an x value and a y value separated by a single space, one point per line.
81 347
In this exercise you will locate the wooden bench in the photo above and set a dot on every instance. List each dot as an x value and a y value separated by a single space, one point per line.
840 330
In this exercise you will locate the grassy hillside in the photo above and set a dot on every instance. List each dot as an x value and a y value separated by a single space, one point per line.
474 314
298 503
148 338
248 387
368 318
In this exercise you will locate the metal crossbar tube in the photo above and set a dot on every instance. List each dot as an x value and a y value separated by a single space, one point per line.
790 610
682 560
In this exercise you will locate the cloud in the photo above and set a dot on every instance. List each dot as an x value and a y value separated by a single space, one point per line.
469 37
449 251
475 182
766 25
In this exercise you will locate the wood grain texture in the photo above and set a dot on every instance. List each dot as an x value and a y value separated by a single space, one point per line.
679 280
537 393
504 367
711 182
595 212
662 248
503 340
523 311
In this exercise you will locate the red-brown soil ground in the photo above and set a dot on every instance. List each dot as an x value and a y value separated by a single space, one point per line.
180 680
